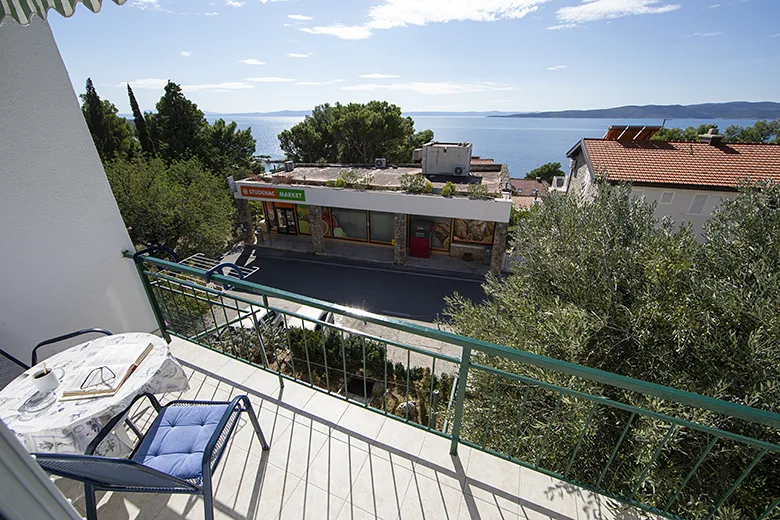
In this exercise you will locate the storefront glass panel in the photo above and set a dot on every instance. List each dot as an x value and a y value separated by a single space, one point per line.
442 229
303 219
349 223
382 226
473 231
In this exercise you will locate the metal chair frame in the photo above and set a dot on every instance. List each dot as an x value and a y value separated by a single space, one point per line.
63 338
126 475
10 368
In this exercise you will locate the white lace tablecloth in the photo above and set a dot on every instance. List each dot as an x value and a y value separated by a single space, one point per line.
69 426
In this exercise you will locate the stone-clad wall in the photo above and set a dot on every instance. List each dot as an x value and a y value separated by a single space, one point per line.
317 229
399 236
499 247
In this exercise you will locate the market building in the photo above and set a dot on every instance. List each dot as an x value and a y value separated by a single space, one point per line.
368 203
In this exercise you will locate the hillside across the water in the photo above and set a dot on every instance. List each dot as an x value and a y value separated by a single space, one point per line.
731 110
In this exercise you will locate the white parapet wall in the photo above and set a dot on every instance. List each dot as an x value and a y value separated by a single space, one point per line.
493 210
61 237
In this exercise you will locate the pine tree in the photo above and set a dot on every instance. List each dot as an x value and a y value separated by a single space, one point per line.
96 120
140 124
179 127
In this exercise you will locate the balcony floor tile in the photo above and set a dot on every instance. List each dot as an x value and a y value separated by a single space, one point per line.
332 460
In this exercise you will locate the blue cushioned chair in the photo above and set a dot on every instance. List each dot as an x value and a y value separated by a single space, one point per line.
178 454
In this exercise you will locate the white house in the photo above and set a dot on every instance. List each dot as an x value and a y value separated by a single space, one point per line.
686 180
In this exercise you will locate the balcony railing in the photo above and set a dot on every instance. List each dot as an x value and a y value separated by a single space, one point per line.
664 450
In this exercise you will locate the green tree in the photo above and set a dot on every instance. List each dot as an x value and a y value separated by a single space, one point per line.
179 205
179 129
602 283
353 133
547 172
690 134
140 124
761 132
112 135
230 149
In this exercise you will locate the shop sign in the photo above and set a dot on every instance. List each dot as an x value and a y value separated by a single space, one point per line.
263 192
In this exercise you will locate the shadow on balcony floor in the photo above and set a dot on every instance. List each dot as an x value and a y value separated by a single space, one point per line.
332 460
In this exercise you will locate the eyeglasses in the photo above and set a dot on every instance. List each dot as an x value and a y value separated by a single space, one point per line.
99 376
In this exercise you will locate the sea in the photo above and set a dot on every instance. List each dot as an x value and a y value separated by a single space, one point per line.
521 143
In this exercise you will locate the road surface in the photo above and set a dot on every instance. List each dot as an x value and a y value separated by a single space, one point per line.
402 294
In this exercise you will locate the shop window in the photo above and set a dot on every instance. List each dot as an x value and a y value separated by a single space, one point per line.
303 219
473 231
349 223
382 228
442 230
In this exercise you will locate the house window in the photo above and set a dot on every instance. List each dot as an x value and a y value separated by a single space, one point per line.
666 197
698 204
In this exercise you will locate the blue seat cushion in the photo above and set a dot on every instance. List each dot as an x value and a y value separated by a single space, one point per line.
176 440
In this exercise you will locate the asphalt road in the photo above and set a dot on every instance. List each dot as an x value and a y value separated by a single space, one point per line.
383 291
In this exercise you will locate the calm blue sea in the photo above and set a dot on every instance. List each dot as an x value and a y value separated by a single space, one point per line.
521 143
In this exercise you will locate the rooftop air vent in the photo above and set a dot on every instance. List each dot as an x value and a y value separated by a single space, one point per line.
380 163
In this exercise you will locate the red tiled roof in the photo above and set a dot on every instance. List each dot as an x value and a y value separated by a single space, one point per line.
694 164
527 186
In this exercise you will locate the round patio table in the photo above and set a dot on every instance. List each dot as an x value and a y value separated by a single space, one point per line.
69 426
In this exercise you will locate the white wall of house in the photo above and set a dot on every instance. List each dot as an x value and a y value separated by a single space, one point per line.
680 204
684 205
493 210
61 237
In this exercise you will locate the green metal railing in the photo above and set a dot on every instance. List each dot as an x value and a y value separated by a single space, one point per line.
663 450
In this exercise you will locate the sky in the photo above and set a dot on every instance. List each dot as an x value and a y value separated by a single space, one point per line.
234 56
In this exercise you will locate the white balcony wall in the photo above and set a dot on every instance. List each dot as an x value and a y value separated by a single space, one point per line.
61 235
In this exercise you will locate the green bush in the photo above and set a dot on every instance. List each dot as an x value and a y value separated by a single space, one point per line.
602 283
448 190
428 188
414 182
478 191
340 183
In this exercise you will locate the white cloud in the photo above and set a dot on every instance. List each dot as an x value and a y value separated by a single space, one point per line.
705 35
314 83
152 5
433 88
345 32
149 5
379 76
251 61
775 35
185 54
713 6
230 85
401 13
234 3
299 17
211 14
159 84
146 83
562 26
298 55
556 67
592 10
270 79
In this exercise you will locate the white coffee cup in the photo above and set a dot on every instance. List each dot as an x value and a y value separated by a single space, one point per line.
45 381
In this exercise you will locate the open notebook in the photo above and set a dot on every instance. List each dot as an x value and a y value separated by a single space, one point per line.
104 374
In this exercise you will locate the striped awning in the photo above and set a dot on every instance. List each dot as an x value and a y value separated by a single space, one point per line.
23 10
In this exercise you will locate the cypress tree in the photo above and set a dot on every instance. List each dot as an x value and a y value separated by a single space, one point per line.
140 124
95 116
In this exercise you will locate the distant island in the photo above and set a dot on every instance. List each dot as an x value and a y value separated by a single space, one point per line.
732 110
